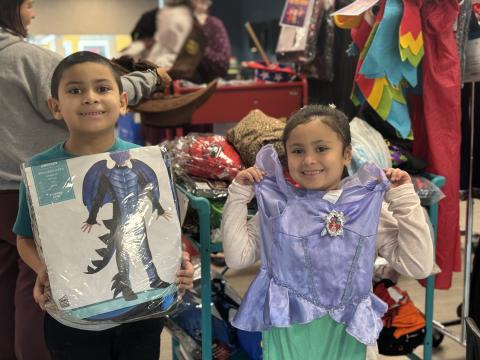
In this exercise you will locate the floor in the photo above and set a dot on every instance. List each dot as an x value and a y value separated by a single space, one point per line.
446 302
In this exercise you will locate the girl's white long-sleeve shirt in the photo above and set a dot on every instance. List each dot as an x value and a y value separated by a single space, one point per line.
403 236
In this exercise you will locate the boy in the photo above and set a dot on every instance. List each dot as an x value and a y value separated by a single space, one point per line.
87 94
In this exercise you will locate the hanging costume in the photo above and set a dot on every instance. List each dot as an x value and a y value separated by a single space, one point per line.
390 52
415 30
317 257
436 119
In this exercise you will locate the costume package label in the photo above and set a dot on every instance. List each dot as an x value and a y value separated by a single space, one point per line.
108 229
299 27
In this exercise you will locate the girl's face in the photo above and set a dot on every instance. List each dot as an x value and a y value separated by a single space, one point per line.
26 13
315 156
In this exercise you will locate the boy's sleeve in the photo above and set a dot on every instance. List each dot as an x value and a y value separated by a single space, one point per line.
23 225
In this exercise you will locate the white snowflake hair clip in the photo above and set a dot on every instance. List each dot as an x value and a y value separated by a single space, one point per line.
332 106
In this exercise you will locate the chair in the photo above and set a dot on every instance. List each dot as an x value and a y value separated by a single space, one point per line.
473 340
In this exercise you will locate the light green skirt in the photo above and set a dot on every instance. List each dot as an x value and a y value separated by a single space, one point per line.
321 339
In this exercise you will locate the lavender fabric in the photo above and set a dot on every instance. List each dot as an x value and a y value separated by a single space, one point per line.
306 273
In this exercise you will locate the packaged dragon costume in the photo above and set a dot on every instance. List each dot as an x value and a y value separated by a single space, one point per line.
108 230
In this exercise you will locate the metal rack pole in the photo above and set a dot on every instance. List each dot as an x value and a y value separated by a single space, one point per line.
469 220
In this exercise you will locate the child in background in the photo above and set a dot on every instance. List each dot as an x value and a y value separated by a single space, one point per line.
317 238
88 95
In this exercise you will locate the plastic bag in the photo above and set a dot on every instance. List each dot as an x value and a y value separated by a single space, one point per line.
207 156
87 209
427 191
210 189
368 145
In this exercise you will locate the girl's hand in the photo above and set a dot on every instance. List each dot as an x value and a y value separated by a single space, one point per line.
185 274
39 289
249 176
397 177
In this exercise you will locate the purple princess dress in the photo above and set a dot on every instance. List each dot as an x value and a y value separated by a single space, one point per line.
317 257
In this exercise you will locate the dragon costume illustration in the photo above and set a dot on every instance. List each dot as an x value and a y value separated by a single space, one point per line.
130 185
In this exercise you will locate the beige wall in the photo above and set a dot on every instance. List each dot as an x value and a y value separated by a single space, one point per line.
88 16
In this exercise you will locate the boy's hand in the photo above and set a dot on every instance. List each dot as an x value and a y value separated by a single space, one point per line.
166 215
397 177
249 176
185 274
39 289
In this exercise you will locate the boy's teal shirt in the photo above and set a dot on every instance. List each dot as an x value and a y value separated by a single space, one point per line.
23 225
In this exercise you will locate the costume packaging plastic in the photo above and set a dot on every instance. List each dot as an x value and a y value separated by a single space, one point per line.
107 228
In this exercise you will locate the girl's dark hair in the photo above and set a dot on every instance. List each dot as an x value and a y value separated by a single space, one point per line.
332 117
80 58
10 19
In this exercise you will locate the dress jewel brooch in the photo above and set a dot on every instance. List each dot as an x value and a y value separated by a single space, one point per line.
334 223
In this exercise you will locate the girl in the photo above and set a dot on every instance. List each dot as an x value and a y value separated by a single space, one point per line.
26 128
316 236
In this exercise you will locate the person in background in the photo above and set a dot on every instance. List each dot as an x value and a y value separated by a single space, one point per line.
174 23
27 127
142 36
216 59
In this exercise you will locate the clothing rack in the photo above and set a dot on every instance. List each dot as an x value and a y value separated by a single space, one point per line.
441 328
438 181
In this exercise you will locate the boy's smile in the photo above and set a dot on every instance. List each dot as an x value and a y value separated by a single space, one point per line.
93 114
89 101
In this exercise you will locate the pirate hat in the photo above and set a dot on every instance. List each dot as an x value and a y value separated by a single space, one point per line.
173 110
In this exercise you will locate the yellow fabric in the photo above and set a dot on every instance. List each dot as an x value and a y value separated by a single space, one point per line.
347 22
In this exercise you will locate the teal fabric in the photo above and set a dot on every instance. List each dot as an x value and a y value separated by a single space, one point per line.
383 56
323 338
23 225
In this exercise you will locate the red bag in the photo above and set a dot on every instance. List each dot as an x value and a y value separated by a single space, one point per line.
208 156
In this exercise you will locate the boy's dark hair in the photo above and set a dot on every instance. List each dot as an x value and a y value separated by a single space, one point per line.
10 19
80 57
331 116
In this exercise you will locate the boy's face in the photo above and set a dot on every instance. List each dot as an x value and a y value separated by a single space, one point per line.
89 100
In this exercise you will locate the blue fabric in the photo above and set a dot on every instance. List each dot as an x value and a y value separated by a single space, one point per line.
23 225
305 272
399 118
251 343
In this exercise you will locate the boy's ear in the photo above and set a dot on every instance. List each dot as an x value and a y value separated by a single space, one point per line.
54 106
123 103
